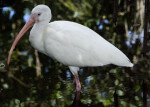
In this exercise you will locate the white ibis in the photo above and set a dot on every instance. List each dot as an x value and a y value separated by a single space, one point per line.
70 43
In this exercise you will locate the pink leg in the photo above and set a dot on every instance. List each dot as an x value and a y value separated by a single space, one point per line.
77 82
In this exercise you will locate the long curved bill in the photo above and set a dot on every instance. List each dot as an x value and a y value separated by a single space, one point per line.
26 27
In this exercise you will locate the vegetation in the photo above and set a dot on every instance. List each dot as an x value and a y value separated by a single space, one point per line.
23 84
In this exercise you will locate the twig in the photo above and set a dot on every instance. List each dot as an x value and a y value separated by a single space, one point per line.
18 80
38 64
144 94
146 18
115 14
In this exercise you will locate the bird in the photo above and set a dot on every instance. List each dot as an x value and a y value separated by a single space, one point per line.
70 43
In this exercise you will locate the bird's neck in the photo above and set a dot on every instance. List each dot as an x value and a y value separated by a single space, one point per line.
41 24
38 29
36 36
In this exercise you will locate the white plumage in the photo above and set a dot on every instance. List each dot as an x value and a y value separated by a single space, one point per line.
70 43
76 45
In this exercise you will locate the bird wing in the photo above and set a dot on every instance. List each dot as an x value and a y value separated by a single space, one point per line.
77 45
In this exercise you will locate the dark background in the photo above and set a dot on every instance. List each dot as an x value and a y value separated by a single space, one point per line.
121 23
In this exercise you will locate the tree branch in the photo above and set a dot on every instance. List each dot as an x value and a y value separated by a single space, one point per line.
146 18
38 64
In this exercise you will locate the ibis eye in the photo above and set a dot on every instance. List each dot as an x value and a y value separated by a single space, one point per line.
39 14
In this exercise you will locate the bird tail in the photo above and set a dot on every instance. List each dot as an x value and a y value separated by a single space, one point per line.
120 59
129 64
123 61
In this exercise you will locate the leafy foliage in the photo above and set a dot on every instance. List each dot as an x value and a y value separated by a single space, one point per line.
19 85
